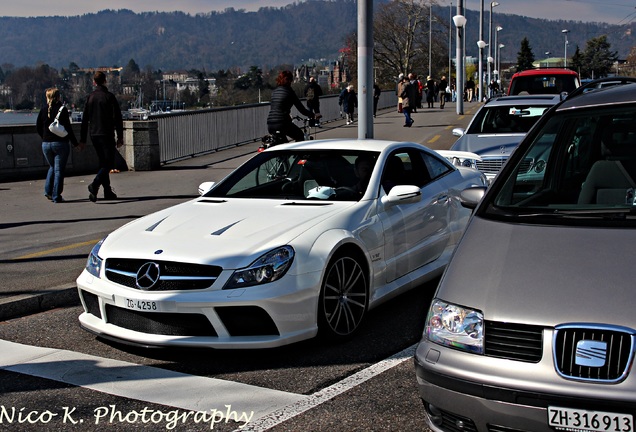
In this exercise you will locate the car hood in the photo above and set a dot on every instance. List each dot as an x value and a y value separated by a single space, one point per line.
226 232
543 275
500 145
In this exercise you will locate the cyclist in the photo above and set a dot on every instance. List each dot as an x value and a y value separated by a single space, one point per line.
283 98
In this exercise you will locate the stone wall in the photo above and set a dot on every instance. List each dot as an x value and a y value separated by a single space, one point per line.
21 155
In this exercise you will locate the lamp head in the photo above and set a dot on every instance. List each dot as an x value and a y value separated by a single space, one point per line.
493 4
501 45
459 20
565 31
499 28
490 59
481 44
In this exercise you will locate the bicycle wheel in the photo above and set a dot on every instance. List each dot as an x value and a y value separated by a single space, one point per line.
272 169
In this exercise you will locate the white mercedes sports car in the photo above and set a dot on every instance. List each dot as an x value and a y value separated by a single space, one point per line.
302 239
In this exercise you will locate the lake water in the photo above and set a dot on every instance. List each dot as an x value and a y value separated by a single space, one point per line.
27 118
18 118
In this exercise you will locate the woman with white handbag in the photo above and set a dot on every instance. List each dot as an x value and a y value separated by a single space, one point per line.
54 127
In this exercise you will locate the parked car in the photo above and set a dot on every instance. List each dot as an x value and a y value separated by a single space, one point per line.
497 128
544 81
532 326
591 84
303 238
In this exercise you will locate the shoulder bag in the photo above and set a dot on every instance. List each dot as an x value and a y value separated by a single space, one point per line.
56 127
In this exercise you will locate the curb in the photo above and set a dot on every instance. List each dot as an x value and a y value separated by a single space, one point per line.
23 305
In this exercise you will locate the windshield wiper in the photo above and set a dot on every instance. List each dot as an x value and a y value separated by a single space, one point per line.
605 213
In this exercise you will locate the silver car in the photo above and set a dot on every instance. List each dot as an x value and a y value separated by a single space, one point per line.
498 127
533 324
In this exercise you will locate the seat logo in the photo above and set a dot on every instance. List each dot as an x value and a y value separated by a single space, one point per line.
148 276
591 353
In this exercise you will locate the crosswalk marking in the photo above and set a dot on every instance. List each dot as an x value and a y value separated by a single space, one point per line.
145 383
265 408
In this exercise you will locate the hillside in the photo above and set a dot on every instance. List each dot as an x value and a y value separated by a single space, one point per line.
266 38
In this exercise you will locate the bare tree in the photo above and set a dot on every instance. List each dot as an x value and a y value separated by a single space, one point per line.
401 36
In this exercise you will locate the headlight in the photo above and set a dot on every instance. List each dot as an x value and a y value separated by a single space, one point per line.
268 268
94 262
455 326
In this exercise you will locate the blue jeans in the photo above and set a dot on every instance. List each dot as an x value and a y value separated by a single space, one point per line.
56 154
407 116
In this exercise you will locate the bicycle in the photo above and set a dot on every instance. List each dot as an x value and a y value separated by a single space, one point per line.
278 137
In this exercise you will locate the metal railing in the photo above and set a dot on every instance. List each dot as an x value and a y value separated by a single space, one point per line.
184 135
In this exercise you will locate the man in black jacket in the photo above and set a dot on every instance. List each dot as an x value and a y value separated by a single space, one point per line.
102 118
313 91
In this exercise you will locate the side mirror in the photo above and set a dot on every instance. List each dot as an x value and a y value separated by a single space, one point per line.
402 195
459 132
205 187
470 198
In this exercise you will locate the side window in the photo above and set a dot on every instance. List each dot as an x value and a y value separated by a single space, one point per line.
435 167
397 171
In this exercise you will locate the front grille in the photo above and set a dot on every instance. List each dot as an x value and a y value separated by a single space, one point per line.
490 165
494 165
170 324
174 276
613 361
513 341
92 303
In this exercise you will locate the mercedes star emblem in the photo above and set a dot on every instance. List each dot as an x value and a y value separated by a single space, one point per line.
148 276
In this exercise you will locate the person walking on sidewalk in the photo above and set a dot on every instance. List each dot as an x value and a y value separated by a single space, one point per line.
102 119
313 91
409 97
348 100
55 148
441 89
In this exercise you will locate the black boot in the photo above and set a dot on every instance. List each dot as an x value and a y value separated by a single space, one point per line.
92 192
109 194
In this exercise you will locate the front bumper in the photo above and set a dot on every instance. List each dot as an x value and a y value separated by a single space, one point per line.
265 316
478 393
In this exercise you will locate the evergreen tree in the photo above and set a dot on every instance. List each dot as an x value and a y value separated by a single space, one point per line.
525 57
598 58
576 62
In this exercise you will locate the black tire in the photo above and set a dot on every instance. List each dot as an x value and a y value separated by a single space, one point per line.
344 298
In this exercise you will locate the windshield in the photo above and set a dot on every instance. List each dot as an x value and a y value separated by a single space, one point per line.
340 175
543 84
581 165
506 119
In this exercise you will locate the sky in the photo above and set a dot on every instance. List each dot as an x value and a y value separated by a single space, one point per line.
610 11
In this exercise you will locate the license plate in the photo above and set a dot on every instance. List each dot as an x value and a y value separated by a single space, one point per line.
568 419
140 305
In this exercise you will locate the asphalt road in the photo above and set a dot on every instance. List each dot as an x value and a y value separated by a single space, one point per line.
60 377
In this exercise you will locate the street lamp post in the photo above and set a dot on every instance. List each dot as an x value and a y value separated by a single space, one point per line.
499 47
460 22
430 36
450 40
492 5
496 63
481 44
565 55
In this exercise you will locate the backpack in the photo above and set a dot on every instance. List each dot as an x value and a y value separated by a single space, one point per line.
310 93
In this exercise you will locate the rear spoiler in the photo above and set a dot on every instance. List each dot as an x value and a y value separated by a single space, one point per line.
454 156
